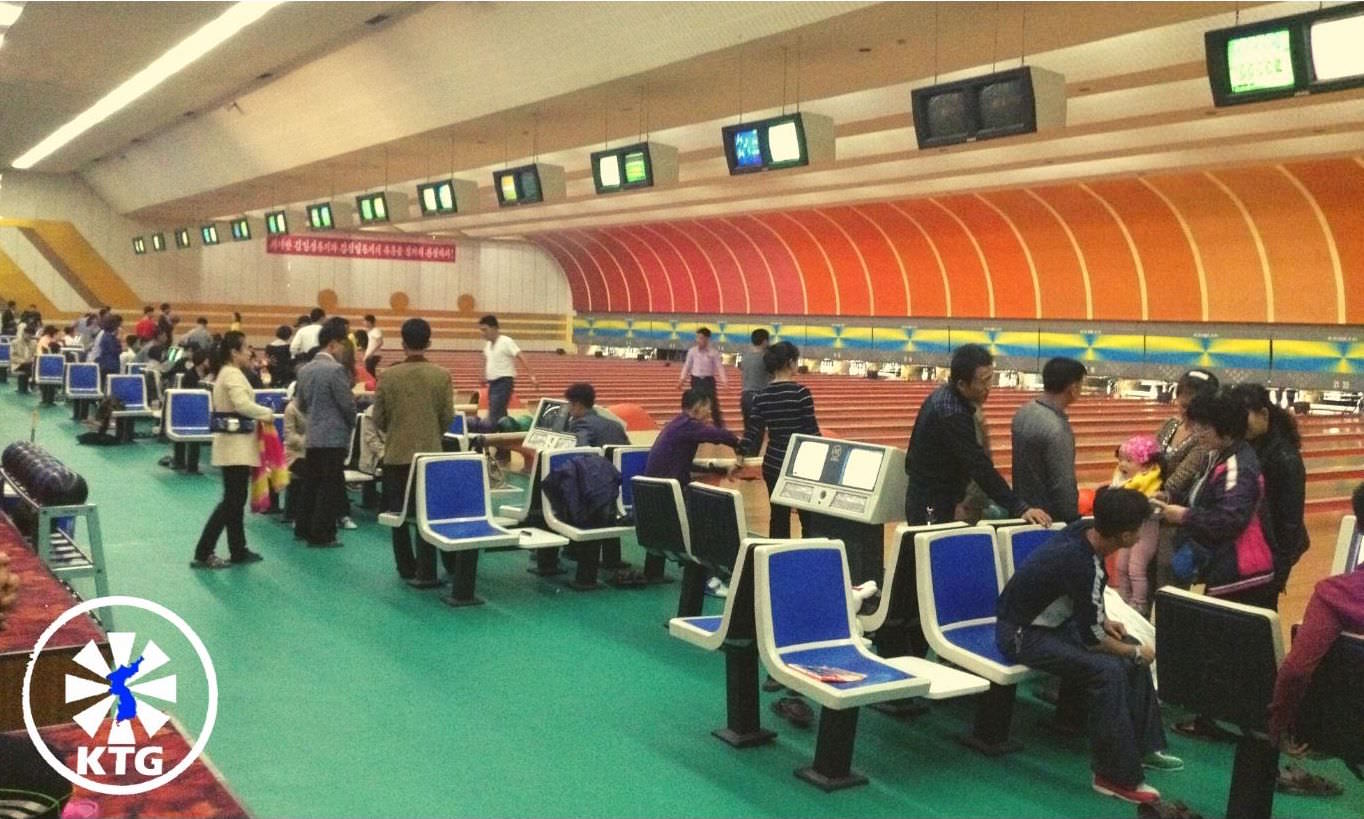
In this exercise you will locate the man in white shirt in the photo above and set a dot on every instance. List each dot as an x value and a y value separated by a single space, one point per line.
706 367
374 345
500 355
305 340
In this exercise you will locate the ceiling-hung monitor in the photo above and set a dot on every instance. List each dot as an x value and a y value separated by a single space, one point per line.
372 208
158 242
1017 101
182 238
448 196
276 223
139 245
642 165
208 234
786 141
1307 53
320 216
529 184
242 229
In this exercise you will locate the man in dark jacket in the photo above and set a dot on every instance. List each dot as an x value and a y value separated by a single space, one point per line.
324 395
944 453
586 423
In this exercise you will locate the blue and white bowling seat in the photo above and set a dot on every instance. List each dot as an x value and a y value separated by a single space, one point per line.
82 381
629 462
188 414
1017 543
49 369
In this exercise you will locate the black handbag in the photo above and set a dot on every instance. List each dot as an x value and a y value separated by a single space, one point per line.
231 422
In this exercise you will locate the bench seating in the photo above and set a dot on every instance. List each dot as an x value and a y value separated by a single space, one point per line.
588 541
662 529
132 391
454 514
804 612
960 577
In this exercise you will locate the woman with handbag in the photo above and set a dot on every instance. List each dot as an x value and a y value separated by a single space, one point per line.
235 451
1223 540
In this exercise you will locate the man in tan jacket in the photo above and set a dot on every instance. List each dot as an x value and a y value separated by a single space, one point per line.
413 407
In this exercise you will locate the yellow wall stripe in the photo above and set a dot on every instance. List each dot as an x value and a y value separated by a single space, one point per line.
1027 254
1193 245
1131 247
1256 238
1075 246
1330 240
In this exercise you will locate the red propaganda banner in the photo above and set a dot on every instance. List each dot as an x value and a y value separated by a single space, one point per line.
355 247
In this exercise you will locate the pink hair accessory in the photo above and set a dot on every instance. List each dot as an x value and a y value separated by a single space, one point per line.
1140 449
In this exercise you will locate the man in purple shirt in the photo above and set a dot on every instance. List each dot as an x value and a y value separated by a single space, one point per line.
675 448
705 367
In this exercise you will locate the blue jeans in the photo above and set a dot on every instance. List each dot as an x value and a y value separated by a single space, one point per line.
499 395
1123 712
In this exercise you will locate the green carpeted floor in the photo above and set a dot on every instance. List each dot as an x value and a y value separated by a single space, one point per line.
345 693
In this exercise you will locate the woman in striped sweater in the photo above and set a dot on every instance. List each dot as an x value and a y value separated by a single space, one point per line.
781 410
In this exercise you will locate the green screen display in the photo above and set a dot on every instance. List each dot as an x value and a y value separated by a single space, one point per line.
275 224
508 183
1260 62
367 210
320 217
636 169
241 230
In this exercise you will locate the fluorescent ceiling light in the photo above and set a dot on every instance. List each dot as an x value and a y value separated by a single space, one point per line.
9 12
1336 48
210 36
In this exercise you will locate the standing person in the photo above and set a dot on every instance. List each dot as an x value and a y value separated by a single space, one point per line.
374 345
108 347
706 367
146 326
413 407
587 424
944 453
198 337
236 454
781 410
1138 468
753 368
21 356
278 360
186 453
1050 616
324 396
1273 433
673 451
1044 444
1185 457
236 325
165 320
307 336
500 355
8 322
1221 533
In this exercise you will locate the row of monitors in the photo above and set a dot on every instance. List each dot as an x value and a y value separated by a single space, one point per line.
1301 54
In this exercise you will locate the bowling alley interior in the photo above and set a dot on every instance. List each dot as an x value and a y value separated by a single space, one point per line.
606 409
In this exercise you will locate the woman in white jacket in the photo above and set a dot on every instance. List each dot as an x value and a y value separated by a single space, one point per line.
237 454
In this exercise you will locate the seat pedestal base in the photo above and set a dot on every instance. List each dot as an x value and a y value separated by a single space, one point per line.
1253 776
461 602
994 712
693 590
547 563
832 769
751 739
743 721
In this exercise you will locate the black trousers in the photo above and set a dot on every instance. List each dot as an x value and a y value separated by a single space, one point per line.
49 392
187 455
780 524
707 383
228 514
25 373
80 408
420 565
297 470
322 496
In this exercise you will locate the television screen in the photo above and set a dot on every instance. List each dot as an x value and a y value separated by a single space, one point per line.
636 168
530 185
1006 105
747 153
276 224
507 182
320 216
783 143
949 115
1260 62
158 241
1336 51
182 238
809 461
139 245
437 197
608 171
367 210
429 201
861 468
241 230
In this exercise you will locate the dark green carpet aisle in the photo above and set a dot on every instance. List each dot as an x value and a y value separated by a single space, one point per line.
345 693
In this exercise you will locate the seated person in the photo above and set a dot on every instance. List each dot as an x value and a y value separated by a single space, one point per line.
592 427
1051 618
674 450
130 347
1336 605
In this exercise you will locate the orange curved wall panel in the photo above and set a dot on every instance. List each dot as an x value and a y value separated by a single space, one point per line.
1264 243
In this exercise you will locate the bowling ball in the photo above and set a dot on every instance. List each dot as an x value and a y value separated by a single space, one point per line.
1086 501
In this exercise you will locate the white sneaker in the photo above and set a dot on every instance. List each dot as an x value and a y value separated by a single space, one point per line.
1140 795
865 591
347 523
716 588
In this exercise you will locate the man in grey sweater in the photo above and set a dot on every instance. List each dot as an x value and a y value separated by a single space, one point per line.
1044 444
754 371
324 395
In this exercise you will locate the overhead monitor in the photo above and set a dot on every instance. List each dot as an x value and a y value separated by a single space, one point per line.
528 184
437 197
139 245
642 165
1016 101
182 238
786 141
852 480
276 223
320 216
209 234
372 208
158 242
1309 53
241 229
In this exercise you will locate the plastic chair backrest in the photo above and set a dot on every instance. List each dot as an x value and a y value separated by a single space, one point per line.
130 389
629 462
804 590
274 399
4 352
453 487
1017 543
189 409
716 517
660 516
966 574
82 377
457 425
50 368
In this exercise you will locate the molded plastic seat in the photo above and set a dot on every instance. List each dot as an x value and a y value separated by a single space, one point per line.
82 381
453 507
188 413
353 473
1017 543
134 367
1349 547
132 391
552 460
4 355
276 400
899 595
457 435
629 462
49 369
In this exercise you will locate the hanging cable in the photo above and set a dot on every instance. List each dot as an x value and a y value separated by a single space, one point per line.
994 51
935 43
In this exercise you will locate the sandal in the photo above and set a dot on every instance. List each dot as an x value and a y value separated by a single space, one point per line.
1202 728
1298 782
629 579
